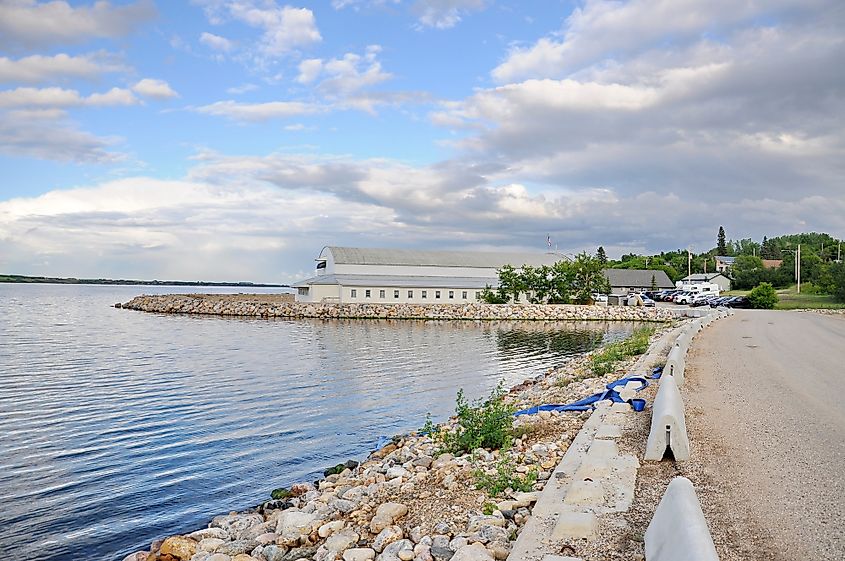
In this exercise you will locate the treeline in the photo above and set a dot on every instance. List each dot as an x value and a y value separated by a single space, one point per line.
564 282
822 270
24 279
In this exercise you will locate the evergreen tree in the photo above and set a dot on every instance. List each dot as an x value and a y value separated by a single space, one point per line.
601 255
653 282
721 245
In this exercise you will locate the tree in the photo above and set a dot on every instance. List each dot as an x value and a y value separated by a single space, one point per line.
588 278
721 245
653 282
511 283
837 272
601 255
763 296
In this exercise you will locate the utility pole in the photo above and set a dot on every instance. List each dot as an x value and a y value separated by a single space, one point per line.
799 268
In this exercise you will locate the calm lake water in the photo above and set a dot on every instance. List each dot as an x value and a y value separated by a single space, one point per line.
118 427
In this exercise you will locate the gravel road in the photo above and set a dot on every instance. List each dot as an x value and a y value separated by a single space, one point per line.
765 398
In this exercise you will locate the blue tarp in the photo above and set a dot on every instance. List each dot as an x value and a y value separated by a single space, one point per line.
588 403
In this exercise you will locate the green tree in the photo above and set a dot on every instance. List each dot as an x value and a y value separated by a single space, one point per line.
721 245
588 278
511 283
763 296
653 282
601 255
837 273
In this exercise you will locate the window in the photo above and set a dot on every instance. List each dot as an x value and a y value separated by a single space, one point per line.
367 293
303 290
353 293
464 295
381 293
451 294
477 295
424 293
410 294
396 294
437 294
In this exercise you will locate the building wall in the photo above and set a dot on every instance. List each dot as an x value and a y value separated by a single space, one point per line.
388 295
411 270
320 293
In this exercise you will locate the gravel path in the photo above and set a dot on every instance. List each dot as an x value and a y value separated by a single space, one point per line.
766 419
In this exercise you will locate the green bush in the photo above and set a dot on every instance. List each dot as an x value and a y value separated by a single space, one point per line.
504 478
763 296
838 281
481 424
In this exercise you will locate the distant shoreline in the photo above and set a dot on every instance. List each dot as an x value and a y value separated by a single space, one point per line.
23 279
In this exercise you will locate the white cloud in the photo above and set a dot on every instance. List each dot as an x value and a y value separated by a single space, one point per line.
443 14
242 89
33 24
258 111
48 135
39 68
216 42
344 76
156 89
285 28
309 70
60 97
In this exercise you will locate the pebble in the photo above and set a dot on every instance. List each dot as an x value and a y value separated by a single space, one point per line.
359 554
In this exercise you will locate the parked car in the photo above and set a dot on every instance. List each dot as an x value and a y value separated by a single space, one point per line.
739 302
701 300
720 301
648 302
683 297
600 299
669 295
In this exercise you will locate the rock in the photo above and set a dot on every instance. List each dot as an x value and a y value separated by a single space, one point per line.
180 547
525 499
218 557
458 543
210 544
293 523
138 555
266 538
243 557
499 551
386 537
274 552
237 525
200 535
387 514
359 554
442 461
423 461
392 551
236 547
330 528
300 489
341 541
343 505
476 522
441 552
474 552
397 471
416 534
300 553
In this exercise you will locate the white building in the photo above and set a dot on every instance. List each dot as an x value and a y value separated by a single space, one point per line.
402 276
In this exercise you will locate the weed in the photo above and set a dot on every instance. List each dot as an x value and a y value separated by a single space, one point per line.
604 362
504 478
489 508
481 424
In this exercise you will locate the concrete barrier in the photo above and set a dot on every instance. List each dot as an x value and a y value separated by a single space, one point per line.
675 364
678 530
668 424
683 342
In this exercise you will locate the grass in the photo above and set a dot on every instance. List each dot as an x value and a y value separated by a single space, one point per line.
789 299
604 362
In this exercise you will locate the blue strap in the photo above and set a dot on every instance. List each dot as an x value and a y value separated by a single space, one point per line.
610 394
656 373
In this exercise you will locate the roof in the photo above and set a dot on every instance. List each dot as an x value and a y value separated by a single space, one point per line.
475 259
637 277
772 263
726 260
703 277
400 281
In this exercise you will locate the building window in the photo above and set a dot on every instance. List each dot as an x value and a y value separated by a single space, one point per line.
367 293
451 294
381 293
353 293
303 290
464 295
437 294
410 294
424 293
396 294
477 295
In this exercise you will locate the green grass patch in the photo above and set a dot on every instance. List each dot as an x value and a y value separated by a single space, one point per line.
790 299
604 362
505 477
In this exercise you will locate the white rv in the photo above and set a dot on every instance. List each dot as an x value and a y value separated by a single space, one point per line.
699 288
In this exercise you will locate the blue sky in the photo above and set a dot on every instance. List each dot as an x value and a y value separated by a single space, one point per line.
232 139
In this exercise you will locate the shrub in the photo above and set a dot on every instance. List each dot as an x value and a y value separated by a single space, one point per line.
504 478
763 296
604 362
481 424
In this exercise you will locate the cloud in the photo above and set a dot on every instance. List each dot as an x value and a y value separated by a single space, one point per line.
47 134
60 97
341 77
156 89
285 29
39 68
216 42
443 14
30 24
242 89
309 70
258 111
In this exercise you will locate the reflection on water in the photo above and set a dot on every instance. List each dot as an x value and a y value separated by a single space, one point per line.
119 427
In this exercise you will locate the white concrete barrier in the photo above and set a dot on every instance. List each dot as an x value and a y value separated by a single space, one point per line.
683 342
675 364
678 530
668 424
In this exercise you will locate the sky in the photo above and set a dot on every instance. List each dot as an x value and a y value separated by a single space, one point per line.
230 140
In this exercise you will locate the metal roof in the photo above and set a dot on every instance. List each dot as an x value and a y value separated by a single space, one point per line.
706 277
400 281
475 259
637 278
725 259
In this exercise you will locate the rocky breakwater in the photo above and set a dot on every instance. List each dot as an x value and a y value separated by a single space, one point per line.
257 307
409 501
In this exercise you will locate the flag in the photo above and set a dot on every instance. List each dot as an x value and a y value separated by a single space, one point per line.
549 241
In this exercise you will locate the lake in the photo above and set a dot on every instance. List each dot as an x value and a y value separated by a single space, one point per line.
119 427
